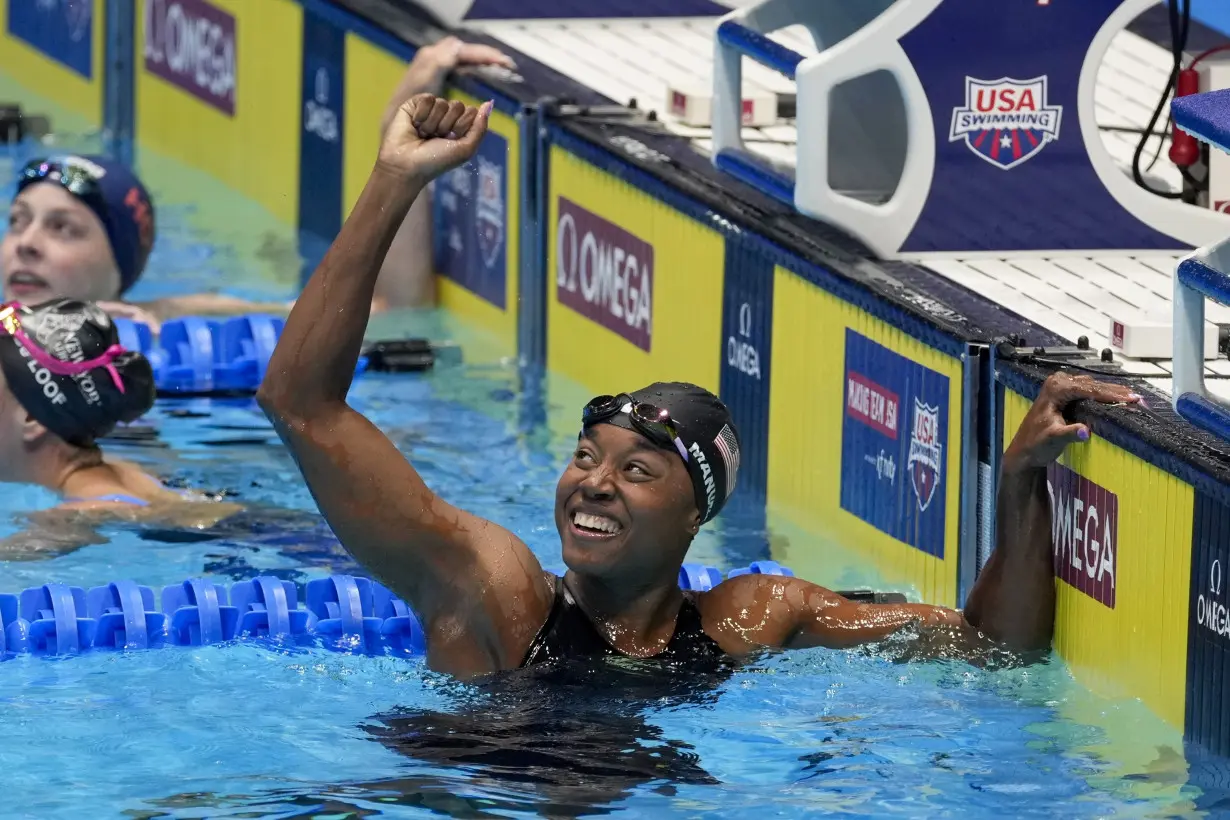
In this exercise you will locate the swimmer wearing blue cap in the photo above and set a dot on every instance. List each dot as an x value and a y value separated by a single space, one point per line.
650 468
83 227
65 382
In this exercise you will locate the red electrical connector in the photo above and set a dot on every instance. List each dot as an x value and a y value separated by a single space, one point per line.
1184 149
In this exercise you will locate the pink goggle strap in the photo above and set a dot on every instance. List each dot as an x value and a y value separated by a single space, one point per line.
12 326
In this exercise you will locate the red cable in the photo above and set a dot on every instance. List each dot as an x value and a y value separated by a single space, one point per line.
1208 52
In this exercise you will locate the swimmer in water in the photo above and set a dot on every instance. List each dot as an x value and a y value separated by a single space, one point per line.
65 382
651 467
83 228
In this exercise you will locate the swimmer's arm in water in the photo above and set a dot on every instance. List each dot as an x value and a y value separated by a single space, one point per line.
476 586
50 533
754 611
207 304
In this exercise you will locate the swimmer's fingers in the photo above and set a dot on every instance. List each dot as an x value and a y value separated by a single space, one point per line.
1064 388
477 128
478 54
419 108
1066 434
448 125
466 121
431 126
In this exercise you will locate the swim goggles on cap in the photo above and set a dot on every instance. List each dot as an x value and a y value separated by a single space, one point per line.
651 421
74 175
11 324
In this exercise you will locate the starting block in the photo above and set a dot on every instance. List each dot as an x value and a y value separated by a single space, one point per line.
1203 274
951 126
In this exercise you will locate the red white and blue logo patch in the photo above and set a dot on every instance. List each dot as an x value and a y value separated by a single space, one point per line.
925 461
1006 122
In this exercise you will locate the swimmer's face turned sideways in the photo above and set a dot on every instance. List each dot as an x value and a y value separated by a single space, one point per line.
80 227
648 470
55 246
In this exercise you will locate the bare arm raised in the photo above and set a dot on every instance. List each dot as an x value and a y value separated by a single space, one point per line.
477 588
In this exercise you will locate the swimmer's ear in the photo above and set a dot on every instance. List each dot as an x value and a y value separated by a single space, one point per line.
32 431
694 522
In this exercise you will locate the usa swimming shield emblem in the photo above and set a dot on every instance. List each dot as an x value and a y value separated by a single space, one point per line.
489 210
1006 122
925 452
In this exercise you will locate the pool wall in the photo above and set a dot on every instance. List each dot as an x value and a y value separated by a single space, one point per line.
872 410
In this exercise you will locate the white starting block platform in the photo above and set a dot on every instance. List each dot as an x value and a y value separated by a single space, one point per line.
658 61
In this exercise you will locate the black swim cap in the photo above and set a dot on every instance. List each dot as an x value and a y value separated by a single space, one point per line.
707 431
86 405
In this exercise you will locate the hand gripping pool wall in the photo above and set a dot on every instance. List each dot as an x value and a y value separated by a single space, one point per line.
850 428
1122 533
54 50
475 209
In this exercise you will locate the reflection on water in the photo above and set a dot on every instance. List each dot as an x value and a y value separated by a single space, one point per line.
558 740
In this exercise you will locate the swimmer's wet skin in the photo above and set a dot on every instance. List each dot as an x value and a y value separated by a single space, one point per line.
649 469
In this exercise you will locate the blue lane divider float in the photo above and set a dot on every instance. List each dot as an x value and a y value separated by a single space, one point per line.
343 613
194 355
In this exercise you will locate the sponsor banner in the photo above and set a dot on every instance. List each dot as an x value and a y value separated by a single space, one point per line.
604 273
470 207
745 351
894 444
1084 533
61 29
320 140
1205 719
746 354
191 44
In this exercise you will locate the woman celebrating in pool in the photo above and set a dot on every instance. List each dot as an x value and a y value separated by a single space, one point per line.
64 383
650 468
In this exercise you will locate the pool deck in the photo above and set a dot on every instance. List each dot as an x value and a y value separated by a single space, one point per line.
1070 296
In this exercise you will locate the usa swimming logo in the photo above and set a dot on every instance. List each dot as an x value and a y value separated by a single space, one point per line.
1006 122
489 210
925 452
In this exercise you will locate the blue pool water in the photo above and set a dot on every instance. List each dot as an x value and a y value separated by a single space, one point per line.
246 731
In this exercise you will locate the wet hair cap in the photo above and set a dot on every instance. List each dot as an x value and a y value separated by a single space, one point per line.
82 407
708 433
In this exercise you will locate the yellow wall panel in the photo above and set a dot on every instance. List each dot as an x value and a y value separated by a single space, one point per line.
256 151
687 273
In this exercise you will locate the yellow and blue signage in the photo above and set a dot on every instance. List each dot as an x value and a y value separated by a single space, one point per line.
470 220
321 138
894 441
63 31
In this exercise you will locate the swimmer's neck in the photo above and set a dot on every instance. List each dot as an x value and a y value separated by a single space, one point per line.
636 618
88 480
92 479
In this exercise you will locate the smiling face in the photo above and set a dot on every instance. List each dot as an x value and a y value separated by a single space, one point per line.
56 246
624 506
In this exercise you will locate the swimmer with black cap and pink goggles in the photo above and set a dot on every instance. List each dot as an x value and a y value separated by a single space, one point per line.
67 382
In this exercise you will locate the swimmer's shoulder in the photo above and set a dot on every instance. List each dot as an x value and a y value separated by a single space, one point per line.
753 610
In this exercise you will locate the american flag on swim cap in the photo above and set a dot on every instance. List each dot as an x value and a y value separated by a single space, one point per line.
728 446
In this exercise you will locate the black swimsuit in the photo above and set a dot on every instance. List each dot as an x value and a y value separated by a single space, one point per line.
569 634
